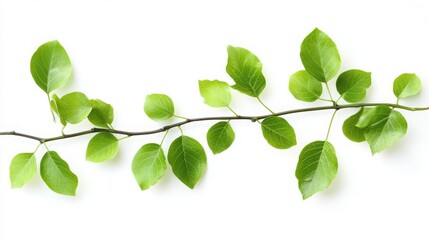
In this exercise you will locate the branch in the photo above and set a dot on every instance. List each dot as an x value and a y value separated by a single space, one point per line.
178 124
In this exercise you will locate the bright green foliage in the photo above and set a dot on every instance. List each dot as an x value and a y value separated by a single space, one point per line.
57 175
101 114
149 165
22 169
188 160
220 137
50 66
320 56
71 108
406 85
350 130
352 85
215 93
317 168
102 147
304 86
159 107
55 101
383 127
278 132
246 71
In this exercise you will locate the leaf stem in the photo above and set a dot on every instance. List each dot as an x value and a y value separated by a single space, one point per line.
265 106
177 116
52 112
330 124
230 109
163 138
329 92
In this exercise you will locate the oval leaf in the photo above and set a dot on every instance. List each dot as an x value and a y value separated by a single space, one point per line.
101 114
159 107
350 130
352 85
407 85
278 132
304 86
57 175
149 165
320 56
317 168
188 160
220 137
102 147
215 93
22 169
73 107
246 71
50 66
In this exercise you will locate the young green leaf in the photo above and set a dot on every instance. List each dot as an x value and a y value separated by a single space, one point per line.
101 114
304 86
159 107
352 85
73 107
383 127
317 168
350 130
320 56
406 85
102 147
149 165
22 169
215 93
188 160
54 106
278 132
220 137
50 66
246 71
57 175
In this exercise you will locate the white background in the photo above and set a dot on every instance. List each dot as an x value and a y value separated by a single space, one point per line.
123 50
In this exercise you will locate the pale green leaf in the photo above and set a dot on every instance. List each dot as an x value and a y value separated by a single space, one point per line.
220 137
50 66
320 56
159 107
57 175
149 165
101 114
278 132
73 107
246 71
22 169
352 85
407 85
304 86
215 93
102 147
317 168
54 106
350 130
188 160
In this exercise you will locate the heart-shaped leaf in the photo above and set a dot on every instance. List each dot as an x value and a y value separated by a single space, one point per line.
102 147
159 107
215 93
149 165
278 132
304 86
220 137
101 114
407 85
352 85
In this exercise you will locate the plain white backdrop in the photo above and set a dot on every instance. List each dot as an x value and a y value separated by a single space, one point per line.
123 50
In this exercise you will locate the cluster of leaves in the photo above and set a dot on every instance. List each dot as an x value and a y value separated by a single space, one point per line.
379 126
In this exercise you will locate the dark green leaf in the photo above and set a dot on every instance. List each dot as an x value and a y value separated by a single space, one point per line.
350 130
246 71
304 86
407 85
57 175
73 107
278 132
220 137
215 93
22 169
101 114
149 165
102 147
352 85
159 107
317 168
188 160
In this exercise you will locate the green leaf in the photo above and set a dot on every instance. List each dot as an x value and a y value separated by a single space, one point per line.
278 132
50 66
54 106
101 114
220 137
149 165
352 85
304 86
56 173
383 127
320 56
188 160
350 130
102 147
215 93
22 169
73 107
317 168
159 107
246 71
407 85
